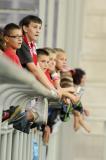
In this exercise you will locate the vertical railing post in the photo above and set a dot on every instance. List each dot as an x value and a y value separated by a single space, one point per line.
40 146
104 156
9 146
28 147
24 146
15 146
21 146
3 146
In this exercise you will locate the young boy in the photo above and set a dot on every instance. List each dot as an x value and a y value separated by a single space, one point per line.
13 40
43 59
31 26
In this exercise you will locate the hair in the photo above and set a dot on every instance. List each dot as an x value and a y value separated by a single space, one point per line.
2 41
66 81
10 27
1 31
77 75
59 50
28 19
50 50
42 52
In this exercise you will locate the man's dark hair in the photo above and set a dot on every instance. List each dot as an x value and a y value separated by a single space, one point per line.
10 27
41 52
77 75
28 19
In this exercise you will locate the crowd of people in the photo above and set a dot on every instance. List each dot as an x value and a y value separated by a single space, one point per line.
49 66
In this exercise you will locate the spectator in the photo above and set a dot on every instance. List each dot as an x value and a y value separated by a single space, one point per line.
43 60
31 26
75 106
79 76
61 59
52 67
13 39
79 79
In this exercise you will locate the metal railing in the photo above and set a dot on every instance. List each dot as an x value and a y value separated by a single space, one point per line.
18 86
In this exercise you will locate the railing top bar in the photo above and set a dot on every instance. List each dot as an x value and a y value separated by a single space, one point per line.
15 75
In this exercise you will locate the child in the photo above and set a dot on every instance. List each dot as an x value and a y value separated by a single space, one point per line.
61 59
31 27
76 107
13 40
52 59
43 61
52 67
79 80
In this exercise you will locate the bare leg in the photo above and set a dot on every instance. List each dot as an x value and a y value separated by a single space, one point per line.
46 135
83 124
76 123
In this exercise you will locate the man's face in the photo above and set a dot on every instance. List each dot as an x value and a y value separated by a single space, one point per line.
43 61
32 31
52 62
14 39
61 61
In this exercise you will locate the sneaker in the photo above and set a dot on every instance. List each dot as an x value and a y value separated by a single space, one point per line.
14 113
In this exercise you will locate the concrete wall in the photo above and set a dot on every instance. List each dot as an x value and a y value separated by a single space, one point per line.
93 59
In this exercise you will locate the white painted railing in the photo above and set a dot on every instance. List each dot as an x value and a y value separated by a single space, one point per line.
18 86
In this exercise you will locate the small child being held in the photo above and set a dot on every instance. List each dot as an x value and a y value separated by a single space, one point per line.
76 106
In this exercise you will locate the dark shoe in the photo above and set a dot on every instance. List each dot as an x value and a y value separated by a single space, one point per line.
8 113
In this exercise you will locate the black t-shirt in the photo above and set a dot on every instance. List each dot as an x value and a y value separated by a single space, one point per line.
24 55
